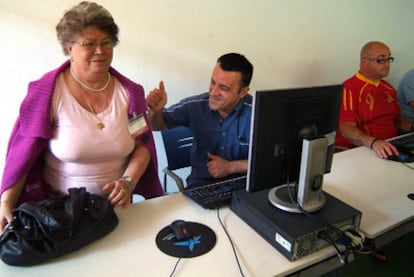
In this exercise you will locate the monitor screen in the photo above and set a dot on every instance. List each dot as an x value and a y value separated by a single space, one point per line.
281 120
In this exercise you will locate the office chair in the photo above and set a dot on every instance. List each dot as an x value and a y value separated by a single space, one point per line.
178 142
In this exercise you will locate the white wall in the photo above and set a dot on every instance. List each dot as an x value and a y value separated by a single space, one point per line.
291 43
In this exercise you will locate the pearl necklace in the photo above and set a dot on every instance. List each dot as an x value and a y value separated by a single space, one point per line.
99 125
88 87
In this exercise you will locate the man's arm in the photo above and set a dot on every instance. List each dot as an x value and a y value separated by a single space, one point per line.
405 125
351 132
220 168
406 89
156 121
156 101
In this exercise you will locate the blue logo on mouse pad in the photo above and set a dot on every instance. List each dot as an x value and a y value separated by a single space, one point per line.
190 243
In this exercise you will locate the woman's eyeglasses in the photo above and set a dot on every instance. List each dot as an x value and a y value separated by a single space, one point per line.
91 45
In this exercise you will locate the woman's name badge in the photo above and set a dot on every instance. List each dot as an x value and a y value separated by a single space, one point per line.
137 125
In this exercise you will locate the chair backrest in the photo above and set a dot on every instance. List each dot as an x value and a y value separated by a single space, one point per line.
178 142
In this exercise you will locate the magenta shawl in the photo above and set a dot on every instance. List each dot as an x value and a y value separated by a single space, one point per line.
32 131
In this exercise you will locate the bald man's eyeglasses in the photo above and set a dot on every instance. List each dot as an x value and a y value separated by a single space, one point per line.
380 60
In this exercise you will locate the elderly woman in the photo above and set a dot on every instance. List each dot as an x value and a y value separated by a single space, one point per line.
82 124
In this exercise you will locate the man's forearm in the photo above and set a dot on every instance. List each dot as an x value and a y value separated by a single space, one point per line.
405 125
239 166
156 121
352 133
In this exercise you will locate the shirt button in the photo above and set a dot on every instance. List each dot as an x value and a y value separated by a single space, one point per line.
222 147
224 134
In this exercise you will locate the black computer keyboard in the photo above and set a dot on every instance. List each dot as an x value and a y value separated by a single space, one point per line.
405 145
405 141
402 157
216 194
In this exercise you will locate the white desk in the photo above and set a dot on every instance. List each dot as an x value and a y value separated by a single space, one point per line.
130 250
376 187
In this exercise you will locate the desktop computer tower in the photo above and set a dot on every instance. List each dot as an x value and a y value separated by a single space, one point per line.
295 235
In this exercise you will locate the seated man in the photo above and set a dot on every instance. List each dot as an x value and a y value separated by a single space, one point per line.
405 95
219 121
369 112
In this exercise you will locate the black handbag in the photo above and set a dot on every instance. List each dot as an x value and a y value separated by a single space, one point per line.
50 228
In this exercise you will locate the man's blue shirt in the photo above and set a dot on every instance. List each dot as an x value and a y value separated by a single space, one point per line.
406 94
228 138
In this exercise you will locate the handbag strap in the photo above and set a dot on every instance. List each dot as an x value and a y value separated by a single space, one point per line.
76 203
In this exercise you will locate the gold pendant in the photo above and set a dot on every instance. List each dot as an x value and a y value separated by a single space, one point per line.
100 126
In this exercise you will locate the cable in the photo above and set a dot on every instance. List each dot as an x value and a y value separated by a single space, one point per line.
342 255
185 250
408 165
175 267
352 240
231 242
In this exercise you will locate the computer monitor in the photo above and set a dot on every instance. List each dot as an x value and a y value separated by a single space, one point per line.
292 141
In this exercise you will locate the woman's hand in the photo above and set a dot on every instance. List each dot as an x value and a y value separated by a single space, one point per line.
120 193
6 215
8 202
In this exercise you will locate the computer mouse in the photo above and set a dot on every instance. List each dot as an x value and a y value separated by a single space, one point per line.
181 229
411 196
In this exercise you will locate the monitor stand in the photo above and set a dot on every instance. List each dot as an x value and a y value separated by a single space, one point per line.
310 196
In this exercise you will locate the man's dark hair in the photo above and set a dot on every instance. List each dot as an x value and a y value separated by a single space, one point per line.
239 63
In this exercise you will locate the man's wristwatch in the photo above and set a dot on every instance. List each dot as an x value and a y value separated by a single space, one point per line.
129 180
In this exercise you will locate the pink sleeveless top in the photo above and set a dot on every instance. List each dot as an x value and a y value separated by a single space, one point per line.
80 154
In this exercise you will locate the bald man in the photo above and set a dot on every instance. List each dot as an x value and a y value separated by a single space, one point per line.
369 112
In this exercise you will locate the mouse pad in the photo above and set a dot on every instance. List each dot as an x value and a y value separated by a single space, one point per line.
202 241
